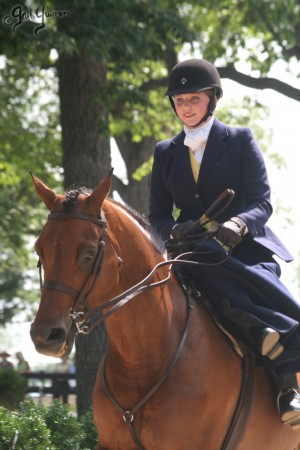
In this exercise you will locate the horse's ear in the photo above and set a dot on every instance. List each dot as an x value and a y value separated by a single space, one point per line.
101 192
48 196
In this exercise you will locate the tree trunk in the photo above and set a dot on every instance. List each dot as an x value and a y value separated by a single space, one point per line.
85 140
136 193
86 160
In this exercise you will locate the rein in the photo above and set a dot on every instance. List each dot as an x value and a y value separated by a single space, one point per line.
79 312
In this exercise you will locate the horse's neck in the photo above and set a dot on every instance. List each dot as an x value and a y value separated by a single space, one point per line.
149 327
150 322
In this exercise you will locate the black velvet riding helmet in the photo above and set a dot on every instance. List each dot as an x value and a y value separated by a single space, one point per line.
194 75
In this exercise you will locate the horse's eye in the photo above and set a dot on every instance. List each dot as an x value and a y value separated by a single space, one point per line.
89 256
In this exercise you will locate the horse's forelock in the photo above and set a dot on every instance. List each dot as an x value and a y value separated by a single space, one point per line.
72 195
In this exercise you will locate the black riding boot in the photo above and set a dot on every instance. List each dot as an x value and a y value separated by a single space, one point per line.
288 399
267 342
263 340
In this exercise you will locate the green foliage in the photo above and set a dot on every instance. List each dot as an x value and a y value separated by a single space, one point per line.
247 112
12 388
29 137
29 432
46 428
137 33
143 170
64 428
91 435
256 32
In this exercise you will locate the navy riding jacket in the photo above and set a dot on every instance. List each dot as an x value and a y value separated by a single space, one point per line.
231 160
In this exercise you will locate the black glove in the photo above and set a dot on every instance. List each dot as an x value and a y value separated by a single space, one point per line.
181 230
231 232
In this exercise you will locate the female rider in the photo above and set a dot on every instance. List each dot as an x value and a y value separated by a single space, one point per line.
190 171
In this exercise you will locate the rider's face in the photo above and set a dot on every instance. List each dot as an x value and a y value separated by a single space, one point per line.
191 107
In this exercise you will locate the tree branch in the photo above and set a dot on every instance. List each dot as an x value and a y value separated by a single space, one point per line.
245 80
260 83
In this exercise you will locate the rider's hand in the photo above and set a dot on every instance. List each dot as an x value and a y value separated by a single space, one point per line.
190 227
231 232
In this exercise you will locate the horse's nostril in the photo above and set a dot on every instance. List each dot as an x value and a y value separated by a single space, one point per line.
57 334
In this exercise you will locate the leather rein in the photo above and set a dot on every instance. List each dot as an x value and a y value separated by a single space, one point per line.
80 313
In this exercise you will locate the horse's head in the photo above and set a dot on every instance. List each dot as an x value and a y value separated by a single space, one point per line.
69 249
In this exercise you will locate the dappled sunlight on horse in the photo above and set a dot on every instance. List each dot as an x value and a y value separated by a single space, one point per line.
170 379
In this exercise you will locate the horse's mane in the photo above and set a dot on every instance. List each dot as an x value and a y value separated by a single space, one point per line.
71 198
141 219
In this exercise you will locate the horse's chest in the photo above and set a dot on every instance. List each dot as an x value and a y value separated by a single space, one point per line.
165 422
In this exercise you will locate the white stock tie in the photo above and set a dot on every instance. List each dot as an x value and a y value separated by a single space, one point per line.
196 140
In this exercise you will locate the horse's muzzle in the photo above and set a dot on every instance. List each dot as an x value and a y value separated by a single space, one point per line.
52 341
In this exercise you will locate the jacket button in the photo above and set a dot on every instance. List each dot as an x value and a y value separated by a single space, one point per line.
197 195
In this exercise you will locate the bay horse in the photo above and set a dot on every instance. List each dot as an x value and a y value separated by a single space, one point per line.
170 379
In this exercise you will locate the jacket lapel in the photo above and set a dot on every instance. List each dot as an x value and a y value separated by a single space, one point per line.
215 146
181 157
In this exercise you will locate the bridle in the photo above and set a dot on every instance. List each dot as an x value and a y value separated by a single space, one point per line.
81 299
80 313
